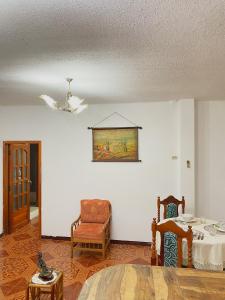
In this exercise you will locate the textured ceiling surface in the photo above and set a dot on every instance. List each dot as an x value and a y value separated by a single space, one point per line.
117 51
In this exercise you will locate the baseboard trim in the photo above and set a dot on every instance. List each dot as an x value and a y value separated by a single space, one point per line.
1 234
51 237
130 242
66 238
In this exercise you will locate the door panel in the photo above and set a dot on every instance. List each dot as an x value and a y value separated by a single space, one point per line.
19 185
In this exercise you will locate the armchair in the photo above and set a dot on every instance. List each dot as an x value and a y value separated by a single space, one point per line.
91 231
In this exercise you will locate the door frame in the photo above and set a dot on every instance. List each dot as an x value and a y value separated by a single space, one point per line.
6 145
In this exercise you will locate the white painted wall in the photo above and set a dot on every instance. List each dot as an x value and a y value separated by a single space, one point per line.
186 151
68 174
210 159
131 187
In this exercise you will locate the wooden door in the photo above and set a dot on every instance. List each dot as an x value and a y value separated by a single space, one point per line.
19 185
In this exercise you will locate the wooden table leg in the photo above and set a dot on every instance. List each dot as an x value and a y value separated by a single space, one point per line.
33 293
28 293
52 293
38 293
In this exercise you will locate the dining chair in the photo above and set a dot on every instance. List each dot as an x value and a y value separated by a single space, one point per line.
171 207
171 253
91 231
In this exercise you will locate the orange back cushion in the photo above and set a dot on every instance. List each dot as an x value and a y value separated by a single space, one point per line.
95 211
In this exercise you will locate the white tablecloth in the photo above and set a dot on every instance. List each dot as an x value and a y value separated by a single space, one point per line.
207 254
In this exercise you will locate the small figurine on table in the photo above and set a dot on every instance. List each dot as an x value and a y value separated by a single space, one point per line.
45 272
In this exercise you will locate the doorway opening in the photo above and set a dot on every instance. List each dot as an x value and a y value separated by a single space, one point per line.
34 210
22 184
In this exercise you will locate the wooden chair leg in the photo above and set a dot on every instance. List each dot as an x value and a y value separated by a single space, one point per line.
103 251
71 249
153 261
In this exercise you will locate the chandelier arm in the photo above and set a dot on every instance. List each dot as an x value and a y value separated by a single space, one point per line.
69 94
72 103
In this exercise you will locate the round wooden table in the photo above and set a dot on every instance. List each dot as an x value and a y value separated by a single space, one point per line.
141 282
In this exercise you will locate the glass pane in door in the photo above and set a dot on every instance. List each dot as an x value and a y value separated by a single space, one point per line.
20 201
25 172
20 173
25 157
19 156
25 186
15 190
25 199
15 204
14 174
20 187
15 157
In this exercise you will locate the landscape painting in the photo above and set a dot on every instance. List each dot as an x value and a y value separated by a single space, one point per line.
115 144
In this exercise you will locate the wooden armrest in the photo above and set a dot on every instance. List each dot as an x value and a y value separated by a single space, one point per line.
76 221
75 224
107 222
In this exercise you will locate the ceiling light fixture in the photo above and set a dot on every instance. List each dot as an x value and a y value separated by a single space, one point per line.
72 104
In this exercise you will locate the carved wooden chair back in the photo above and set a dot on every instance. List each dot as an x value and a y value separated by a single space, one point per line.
171 207
174 252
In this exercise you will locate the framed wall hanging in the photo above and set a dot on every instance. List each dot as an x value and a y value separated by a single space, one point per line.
115 144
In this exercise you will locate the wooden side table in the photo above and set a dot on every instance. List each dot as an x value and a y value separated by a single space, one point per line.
55 289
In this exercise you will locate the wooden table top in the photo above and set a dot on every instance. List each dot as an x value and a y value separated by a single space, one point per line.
141 282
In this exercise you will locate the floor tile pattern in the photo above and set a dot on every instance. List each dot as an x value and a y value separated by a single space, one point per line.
18 261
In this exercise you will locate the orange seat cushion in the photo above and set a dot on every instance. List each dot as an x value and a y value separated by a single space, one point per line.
89 231
95 211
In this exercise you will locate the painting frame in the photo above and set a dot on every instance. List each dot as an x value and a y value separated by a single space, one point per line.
96 132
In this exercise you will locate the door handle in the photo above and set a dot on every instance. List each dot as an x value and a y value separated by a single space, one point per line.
29 181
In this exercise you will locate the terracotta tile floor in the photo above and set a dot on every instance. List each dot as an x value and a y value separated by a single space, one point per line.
18 261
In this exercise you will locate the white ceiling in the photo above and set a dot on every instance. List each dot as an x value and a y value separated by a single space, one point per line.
117 50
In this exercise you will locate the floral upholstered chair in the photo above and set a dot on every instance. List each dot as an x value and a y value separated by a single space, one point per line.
91 231
171 206
171 235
